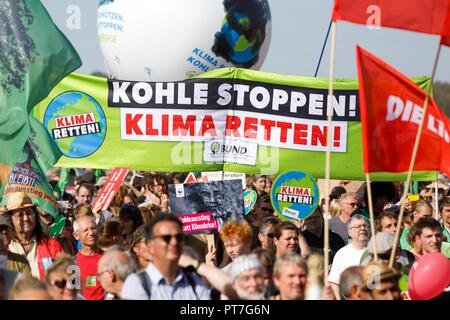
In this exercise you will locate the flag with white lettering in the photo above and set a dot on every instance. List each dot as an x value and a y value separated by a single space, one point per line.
429 16
391 110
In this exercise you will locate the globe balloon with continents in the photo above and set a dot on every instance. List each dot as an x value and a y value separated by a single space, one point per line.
169 40
294 195
76 122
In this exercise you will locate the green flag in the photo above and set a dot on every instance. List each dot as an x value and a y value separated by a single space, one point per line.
63 181
34 57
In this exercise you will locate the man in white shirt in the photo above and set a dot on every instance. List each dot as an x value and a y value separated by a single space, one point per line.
350 255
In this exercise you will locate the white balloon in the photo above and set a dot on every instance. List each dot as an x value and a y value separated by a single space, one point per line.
171 40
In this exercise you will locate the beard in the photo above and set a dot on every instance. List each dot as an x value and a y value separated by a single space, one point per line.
244 295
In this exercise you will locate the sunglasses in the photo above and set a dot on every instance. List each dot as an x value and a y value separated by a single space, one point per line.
168 237
267 210
270 235
61 284
352 204
132 208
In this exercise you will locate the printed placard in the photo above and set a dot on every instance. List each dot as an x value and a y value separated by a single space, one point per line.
294 195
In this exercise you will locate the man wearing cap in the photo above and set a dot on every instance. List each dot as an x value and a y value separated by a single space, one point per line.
247 276
29 239
10 260
384 241
380 282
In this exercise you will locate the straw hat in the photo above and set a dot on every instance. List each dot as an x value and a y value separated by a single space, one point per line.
19 200
378 271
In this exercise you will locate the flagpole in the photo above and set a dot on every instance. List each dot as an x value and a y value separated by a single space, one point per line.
372 220
323 49
413 160
436 200
326 239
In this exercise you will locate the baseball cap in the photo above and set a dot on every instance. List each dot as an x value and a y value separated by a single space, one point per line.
337 191
384 241
101 182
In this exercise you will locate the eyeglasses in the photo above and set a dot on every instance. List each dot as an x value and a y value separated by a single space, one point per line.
267 209
168 237
361 226
21 214
270 235
61 284
352 204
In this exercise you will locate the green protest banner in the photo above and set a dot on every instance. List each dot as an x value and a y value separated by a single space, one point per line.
228 119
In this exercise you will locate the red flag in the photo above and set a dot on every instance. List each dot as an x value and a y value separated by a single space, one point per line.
445 41
391 110
427 16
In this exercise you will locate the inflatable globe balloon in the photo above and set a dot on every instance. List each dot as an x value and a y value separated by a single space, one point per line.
429 276
170 40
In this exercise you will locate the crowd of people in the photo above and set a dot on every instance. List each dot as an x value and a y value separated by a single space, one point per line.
136 249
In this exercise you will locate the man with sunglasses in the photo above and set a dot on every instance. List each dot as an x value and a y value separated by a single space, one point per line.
267 232
338 224
164 279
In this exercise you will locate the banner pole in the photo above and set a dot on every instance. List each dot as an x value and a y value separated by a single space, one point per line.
372 220
328 153
413 160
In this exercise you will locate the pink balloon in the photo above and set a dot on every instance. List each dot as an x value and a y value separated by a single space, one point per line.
429 276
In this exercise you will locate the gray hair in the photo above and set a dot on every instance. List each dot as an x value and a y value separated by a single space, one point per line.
345 196
353 218
266 222
121 269
76 224
288 258
350 277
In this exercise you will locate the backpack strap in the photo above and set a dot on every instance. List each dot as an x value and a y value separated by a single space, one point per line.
145 282
190 278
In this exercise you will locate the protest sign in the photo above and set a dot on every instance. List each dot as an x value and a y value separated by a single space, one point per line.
220 175
294 195
222 199
232 120
250 197
197 222
112 185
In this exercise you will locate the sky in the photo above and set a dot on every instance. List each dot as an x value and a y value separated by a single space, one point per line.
298 33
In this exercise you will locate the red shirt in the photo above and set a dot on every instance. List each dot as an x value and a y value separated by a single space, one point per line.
91 288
